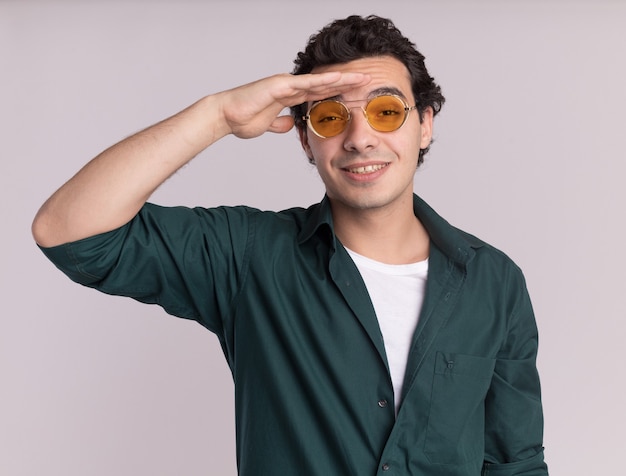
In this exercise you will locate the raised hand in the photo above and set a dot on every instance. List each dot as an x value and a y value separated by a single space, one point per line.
253 109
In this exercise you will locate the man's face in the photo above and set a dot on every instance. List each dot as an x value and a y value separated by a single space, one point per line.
363 168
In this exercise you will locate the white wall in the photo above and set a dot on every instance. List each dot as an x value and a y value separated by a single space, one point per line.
528 156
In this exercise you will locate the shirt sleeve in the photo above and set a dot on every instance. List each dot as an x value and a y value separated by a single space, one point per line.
514 415
188 261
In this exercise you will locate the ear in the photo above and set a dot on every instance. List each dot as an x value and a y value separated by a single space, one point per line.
426 127
304 141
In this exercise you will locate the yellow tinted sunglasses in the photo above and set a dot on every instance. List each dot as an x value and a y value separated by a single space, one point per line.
330 117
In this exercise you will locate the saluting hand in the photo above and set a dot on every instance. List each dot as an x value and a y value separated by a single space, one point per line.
254 108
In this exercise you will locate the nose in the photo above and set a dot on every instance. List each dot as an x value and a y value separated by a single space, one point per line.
360 137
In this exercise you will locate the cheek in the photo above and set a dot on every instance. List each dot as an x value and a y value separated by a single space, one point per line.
418 141
322 150
406 147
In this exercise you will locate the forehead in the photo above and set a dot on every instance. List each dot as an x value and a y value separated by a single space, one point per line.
386 72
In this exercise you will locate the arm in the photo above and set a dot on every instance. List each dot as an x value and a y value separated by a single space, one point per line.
110 190
514 415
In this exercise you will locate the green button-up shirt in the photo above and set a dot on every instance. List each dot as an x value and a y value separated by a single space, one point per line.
312 386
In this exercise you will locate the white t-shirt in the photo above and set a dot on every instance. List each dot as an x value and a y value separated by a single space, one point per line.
397 294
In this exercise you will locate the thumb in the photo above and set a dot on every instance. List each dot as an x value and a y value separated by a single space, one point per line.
281 124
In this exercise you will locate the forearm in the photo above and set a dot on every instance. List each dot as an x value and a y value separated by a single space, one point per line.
111 189
513 408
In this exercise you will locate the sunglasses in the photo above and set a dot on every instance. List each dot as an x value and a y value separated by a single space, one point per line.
330 117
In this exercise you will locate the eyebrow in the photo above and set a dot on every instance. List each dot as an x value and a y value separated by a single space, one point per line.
385 90
374 93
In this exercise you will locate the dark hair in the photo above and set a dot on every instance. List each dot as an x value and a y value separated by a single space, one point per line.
356 37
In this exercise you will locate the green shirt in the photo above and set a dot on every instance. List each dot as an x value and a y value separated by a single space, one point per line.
313 395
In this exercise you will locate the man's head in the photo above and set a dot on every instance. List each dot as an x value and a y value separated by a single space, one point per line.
354 38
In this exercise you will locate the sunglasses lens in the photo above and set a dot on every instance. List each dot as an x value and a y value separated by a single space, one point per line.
386 113
329 118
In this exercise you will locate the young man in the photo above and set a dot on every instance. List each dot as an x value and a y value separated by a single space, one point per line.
365 334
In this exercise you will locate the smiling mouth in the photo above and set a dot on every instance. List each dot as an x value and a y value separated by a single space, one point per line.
368 169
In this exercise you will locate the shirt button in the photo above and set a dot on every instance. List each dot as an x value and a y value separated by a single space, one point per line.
382 403
385 467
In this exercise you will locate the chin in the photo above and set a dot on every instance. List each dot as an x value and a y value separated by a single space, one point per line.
364 203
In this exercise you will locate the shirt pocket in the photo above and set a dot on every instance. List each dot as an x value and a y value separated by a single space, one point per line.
456 418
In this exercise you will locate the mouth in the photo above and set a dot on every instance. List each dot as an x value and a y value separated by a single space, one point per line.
367 169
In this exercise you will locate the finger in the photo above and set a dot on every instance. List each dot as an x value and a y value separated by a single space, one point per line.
288 85
335 79
326 83
312 87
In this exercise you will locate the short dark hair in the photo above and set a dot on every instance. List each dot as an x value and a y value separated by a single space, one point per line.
358 37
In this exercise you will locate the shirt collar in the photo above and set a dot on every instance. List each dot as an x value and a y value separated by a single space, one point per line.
454 243
319 217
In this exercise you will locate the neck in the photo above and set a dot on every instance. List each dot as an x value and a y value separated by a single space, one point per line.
392 236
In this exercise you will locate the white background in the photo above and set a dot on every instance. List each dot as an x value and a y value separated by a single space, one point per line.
528 156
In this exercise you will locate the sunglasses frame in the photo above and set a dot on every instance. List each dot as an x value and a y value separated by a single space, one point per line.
307 117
